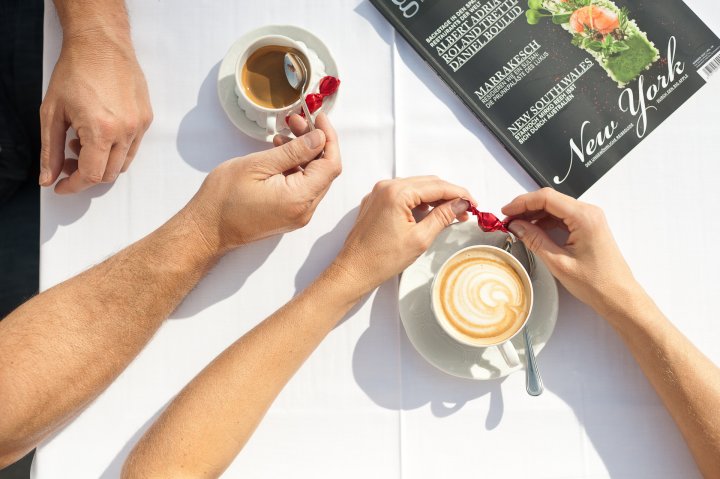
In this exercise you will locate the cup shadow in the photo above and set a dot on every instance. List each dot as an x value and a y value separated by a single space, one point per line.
199 126
385 343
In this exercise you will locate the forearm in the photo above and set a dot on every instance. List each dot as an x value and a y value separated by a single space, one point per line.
687 382
233 393
59 350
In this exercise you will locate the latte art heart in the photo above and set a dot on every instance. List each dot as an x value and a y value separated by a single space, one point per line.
482 297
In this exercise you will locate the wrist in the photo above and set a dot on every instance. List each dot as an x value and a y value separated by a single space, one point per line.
346 285
202 230
88 24
626 301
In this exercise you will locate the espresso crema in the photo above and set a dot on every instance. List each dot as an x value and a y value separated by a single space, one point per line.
481 297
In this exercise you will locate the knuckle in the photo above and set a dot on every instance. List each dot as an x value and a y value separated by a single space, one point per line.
131 128
444 215
563 266
105 129
92 177
46 110
381 185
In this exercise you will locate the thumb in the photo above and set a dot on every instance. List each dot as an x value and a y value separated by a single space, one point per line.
442 216
297 152
537 241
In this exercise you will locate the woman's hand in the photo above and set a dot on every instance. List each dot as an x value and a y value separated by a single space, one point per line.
386 238
589 263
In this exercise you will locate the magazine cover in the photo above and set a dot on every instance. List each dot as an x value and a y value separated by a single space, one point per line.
568 86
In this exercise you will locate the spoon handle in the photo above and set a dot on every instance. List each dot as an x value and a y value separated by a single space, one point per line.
533 381
309 119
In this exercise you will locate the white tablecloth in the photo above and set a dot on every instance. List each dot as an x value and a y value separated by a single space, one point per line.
366 404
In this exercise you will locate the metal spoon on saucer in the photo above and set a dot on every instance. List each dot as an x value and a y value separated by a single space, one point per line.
297 76
533 381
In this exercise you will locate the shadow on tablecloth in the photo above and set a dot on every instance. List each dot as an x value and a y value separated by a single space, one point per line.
206 123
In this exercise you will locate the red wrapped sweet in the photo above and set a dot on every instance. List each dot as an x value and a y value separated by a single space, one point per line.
488 222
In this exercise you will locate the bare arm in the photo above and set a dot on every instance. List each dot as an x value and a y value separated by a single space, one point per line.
687 382
592 268
59 350
210 421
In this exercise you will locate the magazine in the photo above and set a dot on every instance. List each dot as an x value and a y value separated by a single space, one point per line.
568 86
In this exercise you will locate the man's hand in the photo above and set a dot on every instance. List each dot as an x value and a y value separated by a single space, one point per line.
386 238
267 193
98 89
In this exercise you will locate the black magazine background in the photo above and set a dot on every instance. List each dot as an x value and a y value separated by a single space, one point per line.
547 153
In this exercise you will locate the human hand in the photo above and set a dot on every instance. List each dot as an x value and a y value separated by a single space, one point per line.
269 192
589 264
386 238
98 89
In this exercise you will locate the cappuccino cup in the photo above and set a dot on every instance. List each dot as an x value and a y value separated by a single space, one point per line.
263 91
482 296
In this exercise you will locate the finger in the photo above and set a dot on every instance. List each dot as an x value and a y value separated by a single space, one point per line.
296 152
546 199
550 222
298 125
71 166
132 152
538 241
52 149
441 217
116 160
433 190
322 171
91 168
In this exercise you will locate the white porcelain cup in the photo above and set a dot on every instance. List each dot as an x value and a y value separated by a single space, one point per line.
272 120
505 346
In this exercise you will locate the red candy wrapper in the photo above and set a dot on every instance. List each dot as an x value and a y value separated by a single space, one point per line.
328 86
488 222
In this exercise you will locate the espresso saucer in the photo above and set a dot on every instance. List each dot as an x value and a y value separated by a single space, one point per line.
226 76
434 344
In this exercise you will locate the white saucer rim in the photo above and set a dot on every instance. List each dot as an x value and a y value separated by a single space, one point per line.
551 294
227 68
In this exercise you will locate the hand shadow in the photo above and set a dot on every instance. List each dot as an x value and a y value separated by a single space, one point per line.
227 277
207 122
385 344
62 210
323 251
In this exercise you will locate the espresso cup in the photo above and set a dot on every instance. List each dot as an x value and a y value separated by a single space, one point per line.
482 296
268 116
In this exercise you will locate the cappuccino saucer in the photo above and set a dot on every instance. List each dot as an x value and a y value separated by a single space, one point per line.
226 75
434 344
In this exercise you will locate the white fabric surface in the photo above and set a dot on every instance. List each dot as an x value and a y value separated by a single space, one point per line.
366 404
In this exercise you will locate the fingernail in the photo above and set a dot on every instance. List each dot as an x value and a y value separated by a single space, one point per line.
459 206
44 176
518 229
313 139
